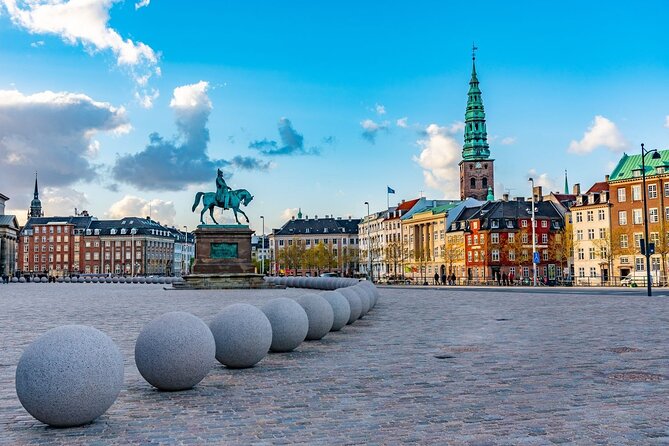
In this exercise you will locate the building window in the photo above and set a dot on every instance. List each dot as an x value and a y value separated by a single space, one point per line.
469 256
511 237
666 189
593 271
523 223
591 234
601 215
636 193
655 264
526 271
544 238
524 238
544 223
624 243
653 216
637 239
636 216
579 217
581 254
622 217
472 183
655 237
495 255
591 253
544 254
639 264
494 237
280 242
602 232
622 197
652 191
581 272
590 215
476 256
579 234
624 260
512 255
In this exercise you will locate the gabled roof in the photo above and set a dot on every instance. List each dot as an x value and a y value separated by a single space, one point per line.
78 222
425 204
142 226
629 163
9 221
598 187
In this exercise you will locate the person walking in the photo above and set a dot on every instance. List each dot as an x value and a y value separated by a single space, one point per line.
436 278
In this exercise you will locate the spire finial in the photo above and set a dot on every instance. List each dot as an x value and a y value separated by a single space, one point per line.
474 48
566 183
36 193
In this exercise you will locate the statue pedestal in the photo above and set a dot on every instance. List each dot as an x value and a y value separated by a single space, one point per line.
223 259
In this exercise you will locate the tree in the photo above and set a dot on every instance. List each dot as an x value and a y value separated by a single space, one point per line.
309 259
291 256
561 246
323 256
393 255
453 252
349 259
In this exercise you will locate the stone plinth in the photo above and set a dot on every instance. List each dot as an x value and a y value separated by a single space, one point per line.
222 259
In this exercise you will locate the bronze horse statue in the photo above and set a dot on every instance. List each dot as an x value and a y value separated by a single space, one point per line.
236 197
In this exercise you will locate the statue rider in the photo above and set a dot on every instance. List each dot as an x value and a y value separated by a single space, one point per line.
222 195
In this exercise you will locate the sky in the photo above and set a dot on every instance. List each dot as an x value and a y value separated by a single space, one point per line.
129 107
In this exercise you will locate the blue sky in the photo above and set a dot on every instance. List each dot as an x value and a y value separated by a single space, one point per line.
317 105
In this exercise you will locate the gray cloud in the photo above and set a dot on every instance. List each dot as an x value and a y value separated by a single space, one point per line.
173 164
330 140
51 133
249 163
292 142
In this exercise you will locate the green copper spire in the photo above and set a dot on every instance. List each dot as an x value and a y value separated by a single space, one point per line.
566 184
476 137
299 214
491 196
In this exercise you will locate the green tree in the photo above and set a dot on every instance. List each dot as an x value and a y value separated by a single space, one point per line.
291 256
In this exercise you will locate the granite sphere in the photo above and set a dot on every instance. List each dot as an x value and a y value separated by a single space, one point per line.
365 299
289 321
341 310
320 315
69 376
59 279
354 302
371 287
44 280
22 279
243 335
15 280
175 351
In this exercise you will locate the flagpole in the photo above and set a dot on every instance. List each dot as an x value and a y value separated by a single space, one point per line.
387 198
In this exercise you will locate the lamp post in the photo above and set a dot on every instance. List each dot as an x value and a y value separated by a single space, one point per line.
534 243
646 252
369 247
132 252
185 261
262 247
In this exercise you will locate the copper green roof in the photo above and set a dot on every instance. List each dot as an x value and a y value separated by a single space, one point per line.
629 163
476 136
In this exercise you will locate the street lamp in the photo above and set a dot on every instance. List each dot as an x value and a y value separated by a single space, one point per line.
186 261
534 243
647 253
369 247
262 247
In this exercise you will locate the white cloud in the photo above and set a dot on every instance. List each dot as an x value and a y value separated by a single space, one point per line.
439 158
456 127
507 141
132 206
86 22
142 4
547 183
37 44
192 96
601 133
666 122
61 201
402 122
370 129
288 213
53 133
380 109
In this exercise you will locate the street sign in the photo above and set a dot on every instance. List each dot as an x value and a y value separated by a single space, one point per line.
535 257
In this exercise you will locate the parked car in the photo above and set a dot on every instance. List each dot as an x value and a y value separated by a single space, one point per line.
329 274
639 278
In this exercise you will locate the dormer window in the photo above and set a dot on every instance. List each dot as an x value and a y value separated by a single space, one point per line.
122 230
96 232
494 223
112 231
659 169
636 173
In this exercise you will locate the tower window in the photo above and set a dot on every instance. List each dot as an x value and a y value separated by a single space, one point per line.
484 183
485 166
472 183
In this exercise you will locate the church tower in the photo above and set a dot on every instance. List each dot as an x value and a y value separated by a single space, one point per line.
36 204
477 178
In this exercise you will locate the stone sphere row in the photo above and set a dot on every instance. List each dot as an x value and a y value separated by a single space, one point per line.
101 279
318 283
72 374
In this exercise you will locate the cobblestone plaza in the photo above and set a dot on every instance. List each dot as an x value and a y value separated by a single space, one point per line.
426 366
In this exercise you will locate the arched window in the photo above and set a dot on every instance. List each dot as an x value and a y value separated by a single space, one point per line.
472 183
484 183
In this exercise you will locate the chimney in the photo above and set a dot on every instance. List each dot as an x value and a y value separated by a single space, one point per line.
577 188
315 217
537 192
505 197
292 218
606 178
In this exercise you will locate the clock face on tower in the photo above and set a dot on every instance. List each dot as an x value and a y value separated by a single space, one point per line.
478 165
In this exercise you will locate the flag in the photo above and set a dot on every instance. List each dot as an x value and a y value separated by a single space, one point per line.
390 191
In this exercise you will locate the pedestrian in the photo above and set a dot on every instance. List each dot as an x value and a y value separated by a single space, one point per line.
505 279
511 277
452 278
443 278
436 278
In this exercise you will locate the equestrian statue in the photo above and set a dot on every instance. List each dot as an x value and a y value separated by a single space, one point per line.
224 197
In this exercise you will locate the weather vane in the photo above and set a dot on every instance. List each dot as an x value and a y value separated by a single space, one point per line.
474 48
